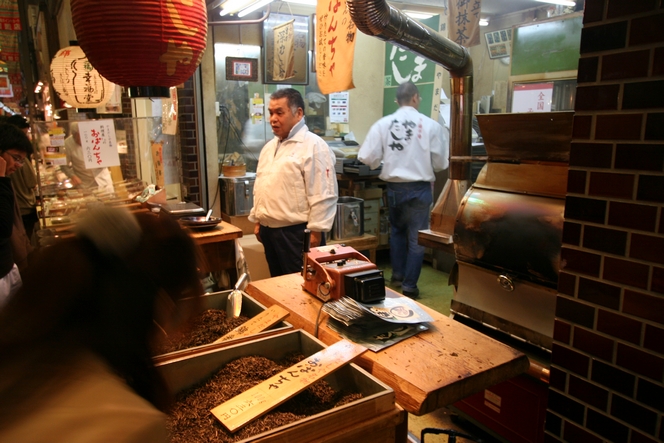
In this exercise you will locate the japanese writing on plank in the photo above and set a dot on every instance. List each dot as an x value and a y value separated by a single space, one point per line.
261 322
99 143
335 46
464 22
284 51
274 391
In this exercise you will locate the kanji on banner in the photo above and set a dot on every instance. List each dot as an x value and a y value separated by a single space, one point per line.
99 143
335 46
284 51
9 17
10 62
464 22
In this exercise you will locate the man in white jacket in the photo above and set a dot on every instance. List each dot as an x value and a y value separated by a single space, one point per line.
296 186
411 147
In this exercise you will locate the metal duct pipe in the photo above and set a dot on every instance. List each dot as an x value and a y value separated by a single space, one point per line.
377 18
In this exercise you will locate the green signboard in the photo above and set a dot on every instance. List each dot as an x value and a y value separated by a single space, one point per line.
402 65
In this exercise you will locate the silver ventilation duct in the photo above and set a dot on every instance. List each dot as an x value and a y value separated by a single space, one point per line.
377 18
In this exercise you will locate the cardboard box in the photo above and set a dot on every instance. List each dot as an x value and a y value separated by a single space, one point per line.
369 193
241 221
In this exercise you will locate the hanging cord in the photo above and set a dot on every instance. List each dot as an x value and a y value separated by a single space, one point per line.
289 9
225 128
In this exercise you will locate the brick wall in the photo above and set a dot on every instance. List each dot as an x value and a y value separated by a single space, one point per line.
607 368
128 160
191 177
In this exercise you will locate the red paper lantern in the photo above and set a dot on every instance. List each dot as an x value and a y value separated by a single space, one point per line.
145 45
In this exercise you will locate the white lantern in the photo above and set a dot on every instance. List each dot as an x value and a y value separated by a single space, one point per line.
77 82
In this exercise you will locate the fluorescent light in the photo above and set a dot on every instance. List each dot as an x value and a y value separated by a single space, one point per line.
417 14
558 2
231 6
254 7
484 22
303 2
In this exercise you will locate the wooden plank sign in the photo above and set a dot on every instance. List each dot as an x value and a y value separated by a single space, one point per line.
259 323
267 395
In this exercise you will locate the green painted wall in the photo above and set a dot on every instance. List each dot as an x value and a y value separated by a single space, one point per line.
546 47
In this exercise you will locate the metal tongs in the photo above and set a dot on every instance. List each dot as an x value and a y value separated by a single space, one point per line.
234 300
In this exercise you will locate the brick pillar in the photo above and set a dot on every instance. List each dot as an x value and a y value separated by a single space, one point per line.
128 160
191 167
608 354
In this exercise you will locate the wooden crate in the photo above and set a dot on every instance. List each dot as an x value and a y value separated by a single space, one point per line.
217 300
241 221
373 418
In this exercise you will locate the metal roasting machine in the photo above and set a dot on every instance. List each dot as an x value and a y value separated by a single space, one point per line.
508 229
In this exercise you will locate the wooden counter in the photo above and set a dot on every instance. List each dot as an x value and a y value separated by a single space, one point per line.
218 248
433 369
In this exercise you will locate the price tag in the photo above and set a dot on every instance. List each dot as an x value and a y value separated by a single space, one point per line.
254 402
261 322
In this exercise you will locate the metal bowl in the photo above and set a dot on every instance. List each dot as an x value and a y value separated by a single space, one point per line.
200 222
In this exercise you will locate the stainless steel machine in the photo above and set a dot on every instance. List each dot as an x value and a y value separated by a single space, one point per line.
508 230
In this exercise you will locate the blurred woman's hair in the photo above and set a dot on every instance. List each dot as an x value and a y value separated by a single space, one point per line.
99 291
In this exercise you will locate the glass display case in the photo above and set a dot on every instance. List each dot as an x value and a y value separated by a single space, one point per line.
80 163
243 125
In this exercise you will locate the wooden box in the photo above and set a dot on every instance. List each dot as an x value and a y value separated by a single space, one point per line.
217 300
241 221
373 418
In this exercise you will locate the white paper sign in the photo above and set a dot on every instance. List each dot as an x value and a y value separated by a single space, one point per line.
169 114
99 144
532 97
339 107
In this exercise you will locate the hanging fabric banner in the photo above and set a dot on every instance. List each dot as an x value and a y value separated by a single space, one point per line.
335 46
10 62
284 51
464 22
9 15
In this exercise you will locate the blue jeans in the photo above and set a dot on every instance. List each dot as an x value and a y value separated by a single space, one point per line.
410 209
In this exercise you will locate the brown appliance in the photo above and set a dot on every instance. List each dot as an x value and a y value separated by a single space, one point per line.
507 242
327 270
508 229
505 281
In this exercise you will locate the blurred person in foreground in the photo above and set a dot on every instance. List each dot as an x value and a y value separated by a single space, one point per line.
15 147
296 186
75 359
411 147
24 181
91 179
